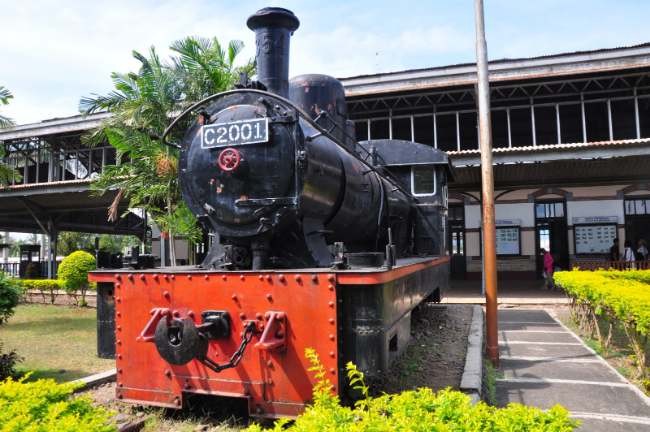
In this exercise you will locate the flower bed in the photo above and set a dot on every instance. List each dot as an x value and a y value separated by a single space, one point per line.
415 410
623 297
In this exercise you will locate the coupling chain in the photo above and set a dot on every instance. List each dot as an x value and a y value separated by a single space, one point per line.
236 357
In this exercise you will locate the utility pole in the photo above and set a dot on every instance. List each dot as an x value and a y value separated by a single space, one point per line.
487 190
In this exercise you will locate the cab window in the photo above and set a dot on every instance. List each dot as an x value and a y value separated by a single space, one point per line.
423 180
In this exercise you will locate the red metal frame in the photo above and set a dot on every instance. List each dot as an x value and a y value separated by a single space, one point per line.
293 312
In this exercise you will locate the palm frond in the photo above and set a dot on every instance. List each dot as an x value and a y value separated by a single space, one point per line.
5 95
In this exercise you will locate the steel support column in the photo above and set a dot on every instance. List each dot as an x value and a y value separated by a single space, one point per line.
487 179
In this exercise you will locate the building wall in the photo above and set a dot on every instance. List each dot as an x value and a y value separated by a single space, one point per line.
519 206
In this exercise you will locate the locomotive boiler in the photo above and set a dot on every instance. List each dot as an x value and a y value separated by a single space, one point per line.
317 241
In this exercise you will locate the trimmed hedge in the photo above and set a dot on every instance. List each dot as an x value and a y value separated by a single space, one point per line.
622 297
49 286
418 410
45 406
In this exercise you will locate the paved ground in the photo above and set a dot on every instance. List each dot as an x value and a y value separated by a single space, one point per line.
543 363
510 292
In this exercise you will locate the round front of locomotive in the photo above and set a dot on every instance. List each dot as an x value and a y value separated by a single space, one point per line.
237 164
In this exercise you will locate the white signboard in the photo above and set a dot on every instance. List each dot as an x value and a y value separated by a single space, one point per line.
507 241
594 239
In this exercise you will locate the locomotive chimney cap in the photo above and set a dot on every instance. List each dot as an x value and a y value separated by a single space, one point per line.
273 17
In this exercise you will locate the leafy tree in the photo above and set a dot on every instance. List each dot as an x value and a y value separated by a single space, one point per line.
143 104
69 242
6 173
73 241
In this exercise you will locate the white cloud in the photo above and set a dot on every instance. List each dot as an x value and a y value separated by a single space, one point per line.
59 51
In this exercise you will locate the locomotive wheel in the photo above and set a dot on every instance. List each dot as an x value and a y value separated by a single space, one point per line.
179 341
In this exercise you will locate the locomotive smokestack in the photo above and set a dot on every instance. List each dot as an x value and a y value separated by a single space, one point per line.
273 27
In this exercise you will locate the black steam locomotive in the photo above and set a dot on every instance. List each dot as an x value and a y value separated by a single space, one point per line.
318 241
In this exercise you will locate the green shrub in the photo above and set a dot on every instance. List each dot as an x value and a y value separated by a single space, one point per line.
418 410
45 406
621 296
8 363
49 286
73 273
9 296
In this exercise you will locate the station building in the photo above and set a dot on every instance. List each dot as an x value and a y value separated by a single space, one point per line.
571 137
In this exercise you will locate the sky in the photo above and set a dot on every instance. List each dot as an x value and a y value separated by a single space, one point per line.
53 52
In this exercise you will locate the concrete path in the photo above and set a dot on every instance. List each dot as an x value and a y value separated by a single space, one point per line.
543 363
510 292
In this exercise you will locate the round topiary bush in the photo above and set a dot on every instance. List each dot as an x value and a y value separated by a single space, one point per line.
73 273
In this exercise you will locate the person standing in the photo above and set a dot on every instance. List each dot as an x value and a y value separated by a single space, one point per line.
628 253
642 250
614 251
548 268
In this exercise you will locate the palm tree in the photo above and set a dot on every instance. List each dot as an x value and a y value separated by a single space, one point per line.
6 173
5 95
143 104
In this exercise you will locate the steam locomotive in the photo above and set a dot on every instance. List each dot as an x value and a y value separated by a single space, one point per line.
318 241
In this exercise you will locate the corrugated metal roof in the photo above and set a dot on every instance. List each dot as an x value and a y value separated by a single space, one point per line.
509 60
568 146
559 172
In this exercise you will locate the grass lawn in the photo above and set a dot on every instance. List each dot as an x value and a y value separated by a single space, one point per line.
54 341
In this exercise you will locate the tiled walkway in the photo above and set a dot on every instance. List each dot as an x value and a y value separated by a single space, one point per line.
543 363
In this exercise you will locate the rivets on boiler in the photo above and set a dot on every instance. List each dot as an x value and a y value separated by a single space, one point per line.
206 277
223 277
314 278
260 277
332 354
331 304
118 277
298 278
333 371
281 278
242 316
330 287
130 276
241 277
331 278
234 297
269 297
331 320
189 277
331 336
268 277
167 295
142 277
